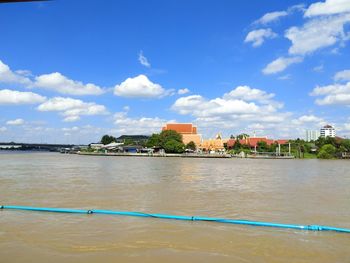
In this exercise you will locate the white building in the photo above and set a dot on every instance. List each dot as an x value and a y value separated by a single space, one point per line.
312 135
327 130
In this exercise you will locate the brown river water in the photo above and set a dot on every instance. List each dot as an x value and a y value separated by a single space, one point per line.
284 191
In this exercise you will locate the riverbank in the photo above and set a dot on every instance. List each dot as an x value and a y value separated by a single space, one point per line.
185 155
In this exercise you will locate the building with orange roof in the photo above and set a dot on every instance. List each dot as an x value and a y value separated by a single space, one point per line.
187 130
253 141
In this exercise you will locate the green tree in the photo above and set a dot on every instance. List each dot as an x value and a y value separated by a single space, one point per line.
169 140
191 146
346 144
168 135
242 136
262 146
237 146
129 141
107 139
173 146
154 140
327 151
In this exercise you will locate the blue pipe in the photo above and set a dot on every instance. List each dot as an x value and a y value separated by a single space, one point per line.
188 218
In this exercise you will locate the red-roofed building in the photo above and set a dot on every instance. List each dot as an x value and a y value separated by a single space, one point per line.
253 142
187 130
182 128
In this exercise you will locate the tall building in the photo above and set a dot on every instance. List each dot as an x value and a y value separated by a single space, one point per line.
312 135
187 130
327 130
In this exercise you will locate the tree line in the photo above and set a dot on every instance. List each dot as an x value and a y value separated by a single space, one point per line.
169 140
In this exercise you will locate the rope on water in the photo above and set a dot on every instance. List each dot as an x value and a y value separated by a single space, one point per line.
176 217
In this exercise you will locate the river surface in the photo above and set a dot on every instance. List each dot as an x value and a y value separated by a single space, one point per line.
285 191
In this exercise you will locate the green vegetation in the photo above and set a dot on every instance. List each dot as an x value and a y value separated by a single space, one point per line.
169 140
323 148
327 151
191 146
133 139
107 139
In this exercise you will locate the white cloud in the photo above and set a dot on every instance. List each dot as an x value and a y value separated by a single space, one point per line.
336 94
3 129
8 97
140 87
285 77
9 76
318 69
342 75
72 109
61 84
270 17
275 16
53 81
280 64
346 126
15 122
308 119
183 91
329 7
70 129
257 37
143 60
143 125
249 94
257 103
316 34
237 111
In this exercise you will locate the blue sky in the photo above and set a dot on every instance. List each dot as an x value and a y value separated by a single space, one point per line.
71 71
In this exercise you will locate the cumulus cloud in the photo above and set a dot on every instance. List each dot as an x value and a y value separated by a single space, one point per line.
342 75
183 91
280 64
336 94
256 105
325 27
317 33
9 76
243 109
143 60
13 97
72 109
15 122
257 37
61 84
141 125
270 17
329 7
140 87
308 119
53 81
249 94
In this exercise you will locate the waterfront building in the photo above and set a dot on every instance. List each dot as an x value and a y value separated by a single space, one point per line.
187 130
327 131
311 135
253 142
214 145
